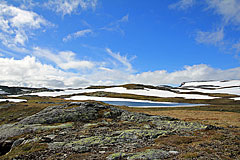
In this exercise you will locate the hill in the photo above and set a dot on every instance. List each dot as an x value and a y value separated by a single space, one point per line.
67 124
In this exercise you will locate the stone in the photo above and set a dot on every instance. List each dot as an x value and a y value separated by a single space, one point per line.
173 152
80 149
149 154
17 142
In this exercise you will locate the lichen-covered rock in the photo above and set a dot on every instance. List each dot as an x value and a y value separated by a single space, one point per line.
133 134
66 113
117 138
149 154
116 156
86 111
141 117
178 126
81 126
11 130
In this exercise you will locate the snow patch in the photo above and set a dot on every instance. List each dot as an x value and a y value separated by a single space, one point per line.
232 90
143 92
110 99
13 100
236 99
216 84
3 92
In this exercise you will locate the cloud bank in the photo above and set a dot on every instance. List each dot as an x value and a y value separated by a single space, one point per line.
188 73
32 73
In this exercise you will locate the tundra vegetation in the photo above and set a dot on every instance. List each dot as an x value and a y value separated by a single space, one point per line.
55 128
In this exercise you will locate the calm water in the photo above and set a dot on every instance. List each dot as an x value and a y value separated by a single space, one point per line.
148 104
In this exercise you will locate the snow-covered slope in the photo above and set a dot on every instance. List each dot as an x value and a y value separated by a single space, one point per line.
143 92
13 100
227 87
2 92
188 90
212 84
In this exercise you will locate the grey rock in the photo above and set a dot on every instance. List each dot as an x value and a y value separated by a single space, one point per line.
17 143
87 111
80 149
149 154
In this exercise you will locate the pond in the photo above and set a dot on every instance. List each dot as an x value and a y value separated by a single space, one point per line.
150 104
132 102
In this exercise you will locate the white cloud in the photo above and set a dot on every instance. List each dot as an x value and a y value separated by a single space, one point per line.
17 24
182 4
210 37
124 19
65 7
229 13
32 73
64 59
236 48
115 26
228 9
29 72
122 59
77 34
28 4
189 73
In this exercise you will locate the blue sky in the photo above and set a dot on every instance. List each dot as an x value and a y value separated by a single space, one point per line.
74 43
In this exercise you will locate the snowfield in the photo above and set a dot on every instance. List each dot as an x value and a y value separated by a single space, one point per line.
2 92
110 99
215 84
143 92
156 93
224 87
58 93
13 100
236 99
233 90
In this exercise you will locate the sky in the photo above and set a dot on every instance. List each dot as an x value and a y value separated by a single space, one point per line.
77 43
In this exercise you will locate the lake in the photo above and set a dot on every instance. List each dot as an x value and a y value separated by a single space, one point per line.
149 104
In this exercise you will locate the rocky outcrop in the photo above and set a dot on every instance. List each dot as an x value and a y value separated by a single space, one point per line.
83 127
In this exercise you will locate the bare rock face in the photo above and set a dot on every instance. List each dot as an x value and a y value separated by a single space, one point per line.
90 127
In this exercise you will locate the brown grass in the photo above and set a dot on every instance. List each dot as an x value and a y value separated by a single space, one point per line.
223 119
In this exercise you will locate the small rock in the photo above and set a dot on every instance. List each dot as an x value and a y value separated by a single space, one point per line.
48 138
231 126
80 149
102 152
147 126
17 142
173 152
62 133
211 127
116 156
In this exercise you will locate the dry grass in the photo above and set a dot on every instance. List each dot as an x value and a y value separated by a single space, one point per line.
223 119
17 111
212 144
